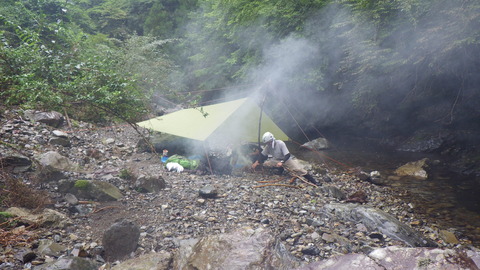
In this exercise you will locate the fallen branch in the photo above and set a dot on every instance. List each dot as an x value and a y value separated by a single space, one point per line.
292 179
17 237
282 185
272 181
299 177
87 202
103 208
306 181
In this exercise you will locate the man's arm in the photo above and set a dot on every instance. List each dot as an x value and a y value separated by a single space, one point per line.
285 158
260 159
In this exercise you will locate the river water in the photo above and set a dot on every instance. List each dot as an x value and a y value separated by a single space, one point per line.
449 200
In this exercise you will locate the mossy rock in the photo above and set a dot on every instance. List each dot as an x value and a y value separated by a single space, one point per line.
91 190
104 191
82 184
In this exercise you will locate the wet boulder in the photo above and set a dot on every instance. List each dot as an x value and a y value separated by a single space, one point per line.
46 218
59 141
14 162
245 248
53 118
55 161
425 141
208 191
334 192
69 263
120 239
25 255
349 261
373 177
415 169
159 260
448 236
395 257
149 183
377 220
147 177
60 138
358 196
70 199
91 190
53 165
317 144
423 258
50 248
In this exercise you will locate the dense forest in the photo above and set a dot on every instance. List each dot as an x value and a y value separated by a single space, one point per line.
392 65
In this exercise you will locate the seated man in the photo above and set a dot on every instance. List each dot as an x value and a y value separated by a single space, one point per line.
281 157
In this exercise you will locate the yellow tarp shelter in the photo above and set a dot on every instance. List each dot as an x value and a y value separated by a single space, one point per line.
228 122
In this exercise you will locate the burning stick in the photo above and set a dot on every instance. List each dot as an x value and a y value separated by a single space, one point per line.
272 181
299 177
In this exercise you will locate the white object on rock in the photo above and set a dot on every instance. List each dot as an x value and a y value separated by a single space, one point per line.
317 144
60 134
174 166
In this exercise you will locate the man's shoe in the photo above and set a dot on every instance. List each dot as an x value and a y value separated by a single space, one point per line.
312 180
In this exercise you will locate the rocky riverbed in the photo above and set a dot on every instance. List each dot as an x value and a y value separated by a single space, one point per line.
346 215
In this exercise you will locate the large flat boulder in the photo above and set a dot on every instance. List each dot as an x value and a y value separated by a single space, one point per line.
159 261
378 220
400 258
244 248
46 218
91 190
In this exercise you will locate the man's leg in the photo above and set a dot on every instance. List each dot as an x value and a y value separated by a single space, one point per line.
294 166
312 179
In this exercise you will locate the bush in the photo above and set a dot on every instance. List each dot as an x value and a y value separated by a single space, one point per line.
14 192
57 67
125 174
4 216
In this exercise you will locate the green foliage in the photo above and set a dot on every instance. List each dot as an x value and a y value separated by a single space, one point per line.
125 174
167 19
110 17
144 57
82 184
104 60
157 22
397 46
375 56
48 62
84 82
229 37
4 217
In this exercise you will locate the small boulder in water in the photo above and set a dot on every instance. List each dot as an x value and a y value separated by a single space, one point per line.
415 169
